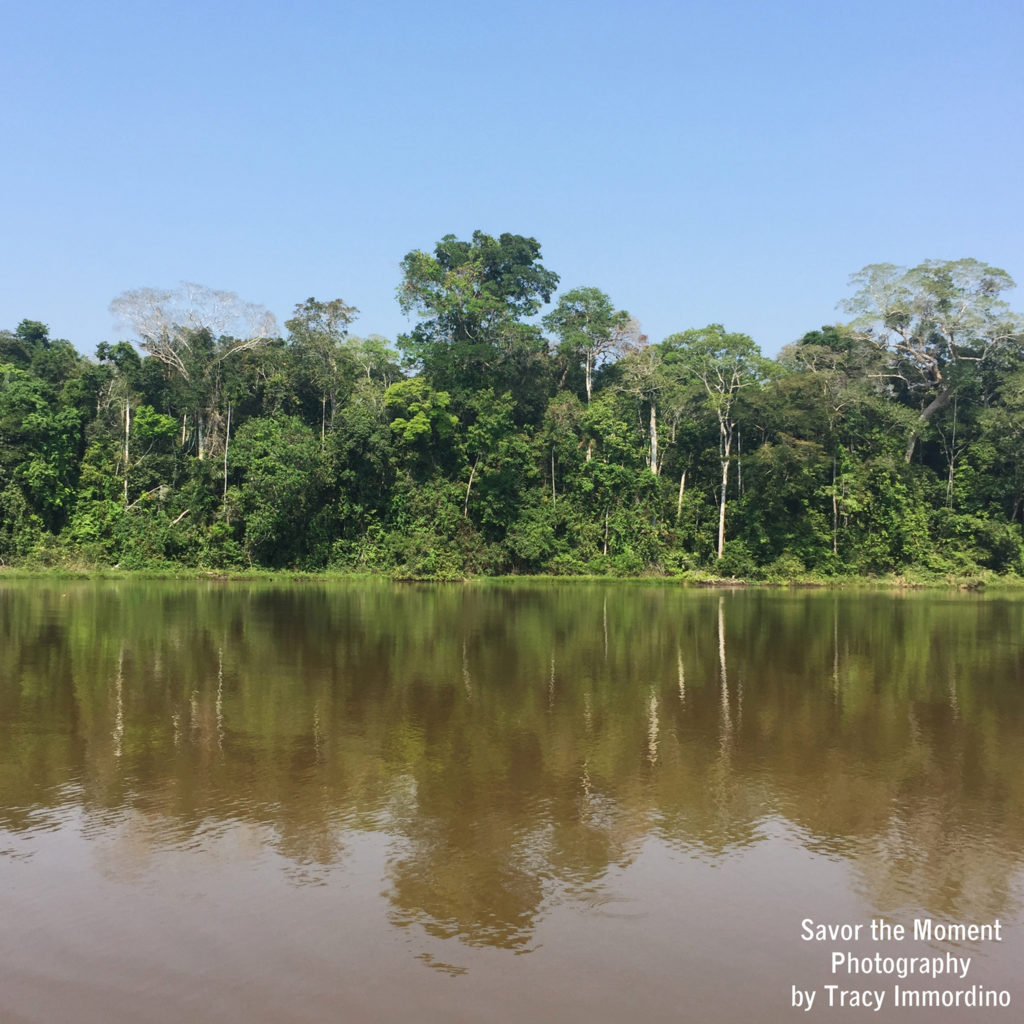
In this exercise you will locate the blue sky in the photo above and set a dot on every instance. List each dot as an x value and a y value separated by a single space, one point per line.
731 162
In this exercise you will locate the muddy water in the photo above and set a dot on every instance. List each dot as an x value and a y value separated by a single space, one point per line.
362 802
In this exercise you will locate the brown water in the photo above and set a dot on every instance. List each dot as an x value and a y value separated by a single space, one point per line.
371 802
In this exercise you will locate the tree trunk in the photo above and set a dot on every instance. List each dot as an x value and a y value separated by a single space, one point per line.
727 431
469 487
739 463
682 491
951 459
127 435
835 511
654 439
721 507
227 442
939 402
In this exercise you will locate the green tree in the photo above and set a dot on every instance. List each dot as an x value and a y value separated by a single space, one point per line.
318 331
40 448
724 364
589 329
278 491
498 457
474 299
421 423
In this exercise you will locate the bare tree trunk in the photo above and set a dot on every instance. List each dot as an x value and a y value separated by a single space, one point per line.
939 402
739 463
589 364
227 442
951 458
721 507
727 430
835 511
127 434
469 487
553 495
654 439
682 491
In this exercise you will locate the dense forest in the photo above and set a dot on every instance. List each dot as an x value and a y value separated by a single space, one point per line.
515 429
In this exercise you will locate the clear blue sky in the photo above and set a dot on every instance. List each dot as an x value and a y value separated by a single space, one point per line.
731 162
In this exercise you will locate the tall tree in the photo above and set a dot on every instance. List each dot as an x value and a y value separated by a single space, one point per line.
318 330
474 299
724 364
935 320
589 329
642 374
192 330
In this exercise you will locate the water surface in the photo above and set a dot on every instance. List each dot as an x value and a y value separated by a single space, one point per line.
246 803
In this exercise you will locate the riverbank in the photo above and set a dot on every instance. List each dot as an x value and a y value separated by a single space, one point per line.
905 581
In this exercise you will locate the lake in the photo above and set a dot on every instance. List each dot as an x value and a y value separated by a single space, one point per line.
366 801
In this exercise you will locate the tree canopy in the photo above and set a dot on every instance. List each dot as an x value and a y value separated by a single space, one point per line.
495 437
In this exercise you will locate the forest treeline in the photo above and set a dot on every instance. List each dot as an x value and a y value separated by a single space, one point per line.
516 430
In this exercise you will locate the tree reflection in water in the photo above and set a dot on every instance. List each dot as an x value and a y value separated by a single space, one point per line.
515 743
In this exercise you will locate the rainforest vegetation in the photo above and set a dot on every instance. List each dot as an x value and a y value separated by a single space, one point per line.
516 429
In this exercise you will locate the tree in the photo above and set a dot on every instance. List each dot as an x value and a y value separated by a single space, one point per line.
318 331
724 364
934 320
828 391
420 421
192 331
375 359
590 329
474 298
39 457
279 491
167 322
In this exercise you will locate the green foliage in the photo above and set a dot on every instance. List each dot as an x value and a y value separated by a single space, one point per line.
474 299
421 423
893 445
277 492
589 329
737 561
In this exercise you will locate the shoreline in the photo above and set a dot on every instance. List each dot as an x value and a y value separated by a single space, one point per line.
694 580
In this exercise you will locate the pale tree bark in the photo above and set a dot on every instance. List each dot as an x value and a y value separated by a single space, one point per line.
227 442
127 435
469 487
654 439
727 432
935 316
724 364
191 330
937 404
